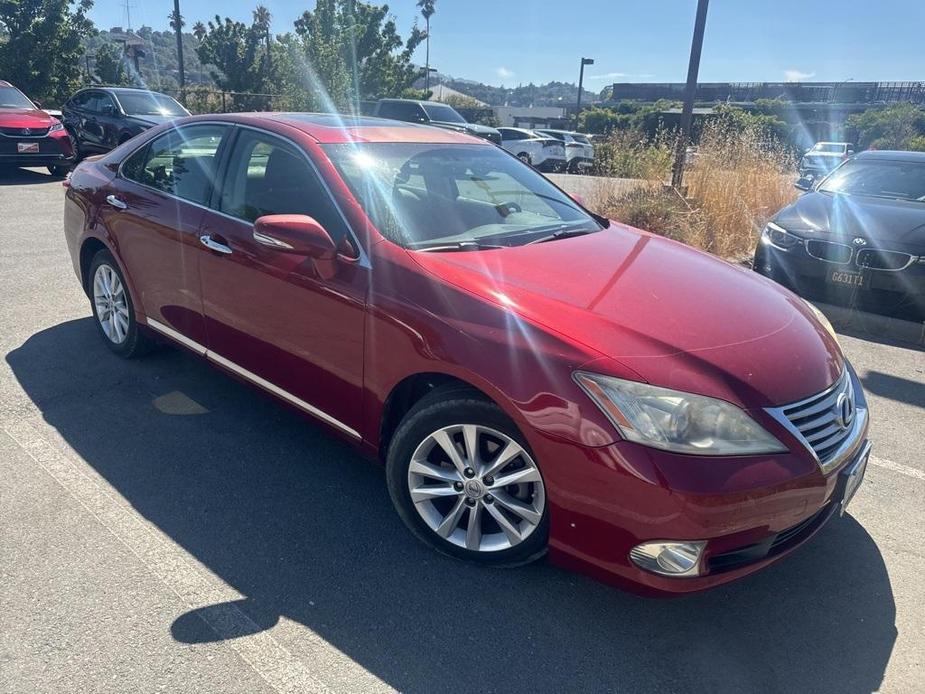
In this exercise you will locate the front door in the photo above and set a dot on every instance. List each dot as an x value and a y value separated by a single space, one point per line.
153 211
279 319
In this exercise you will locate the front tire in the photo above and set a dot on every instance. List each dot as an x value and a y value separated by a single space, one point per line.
463 480
59 170
113 308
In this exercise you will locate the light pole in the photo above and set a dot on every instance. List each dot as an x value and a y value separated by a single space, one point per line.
427 78
581 80
690 91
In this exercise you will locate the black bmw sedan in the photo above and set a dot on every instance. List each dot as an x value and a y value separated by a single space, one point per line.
856 237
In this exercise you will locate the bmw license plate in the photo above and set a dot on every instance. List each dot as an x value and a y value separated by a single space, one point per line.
27 147
852 478
847 278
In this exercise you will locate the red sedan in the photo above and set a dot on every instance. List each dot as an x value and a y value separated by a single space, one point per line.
30 136
534 377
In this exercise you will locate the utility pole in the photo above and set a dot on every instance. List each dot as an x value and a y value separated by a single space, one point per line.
178 27
690 91
581 81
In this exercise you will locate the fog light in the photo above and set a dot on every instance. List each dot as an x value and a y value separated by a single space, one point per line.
669 558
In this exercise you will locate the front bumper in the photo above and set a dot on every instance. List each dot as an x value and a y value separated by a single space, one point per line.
808 276
751 511
53 149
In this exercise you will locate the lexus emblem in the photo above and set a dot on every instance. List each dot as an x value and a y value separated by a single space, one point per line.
844 411
26 131
859 242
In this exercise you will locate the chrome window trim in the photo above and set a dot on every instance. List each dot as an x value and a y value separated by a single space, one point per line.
362 260
850 442
216 358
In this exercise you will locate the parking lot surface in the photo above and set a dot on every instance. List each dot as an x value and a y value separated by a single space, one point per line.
166 528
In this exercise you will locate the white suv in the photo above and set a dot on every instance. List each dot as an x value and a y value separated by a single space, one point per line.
579 152
540 151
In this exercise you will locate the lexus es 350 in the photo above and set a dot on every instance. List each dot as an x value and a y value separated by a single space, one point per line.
534 378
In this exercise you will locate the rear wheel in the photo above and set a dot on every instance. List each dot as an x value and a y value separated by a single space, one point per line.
113 309
463 480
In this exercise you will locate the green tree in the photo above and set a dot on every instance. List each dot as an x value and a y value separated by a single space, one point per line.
110 65
262 18
42 47
352 50
891 127
232 47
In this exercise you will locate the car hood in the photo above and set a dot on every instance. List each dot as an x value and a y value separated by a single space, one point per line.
467 127
893 224
659 311
24 118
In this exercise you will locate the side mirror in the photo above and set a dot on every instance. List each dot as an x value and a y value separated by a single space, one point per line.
109 110
295 233
805 183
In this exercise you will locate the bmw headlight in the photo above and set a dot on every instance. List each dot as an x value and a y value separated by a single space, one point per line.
676 421
779 237
56 126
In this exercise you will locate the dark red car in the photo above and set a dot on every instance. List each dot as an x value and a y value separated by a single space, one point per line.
30 136
534 377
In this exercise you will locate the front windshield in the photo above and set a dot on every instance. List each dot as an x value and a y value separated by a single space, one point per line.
430 195
443 113
829 148
822 162
899 180
149 104
10 97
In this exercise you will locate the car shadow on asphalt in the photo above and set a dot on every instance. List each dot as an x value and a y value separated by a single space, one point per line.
20 177
301 525
895 388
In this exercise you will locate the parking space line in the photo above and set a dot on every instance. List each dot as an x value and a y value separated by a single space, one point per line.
898 467
282 670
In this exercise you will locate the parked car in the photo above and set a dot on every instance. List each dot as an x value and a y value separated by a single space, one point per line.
579 152
101 118
431 113
541 151
29 136
823 157
532 376
858 234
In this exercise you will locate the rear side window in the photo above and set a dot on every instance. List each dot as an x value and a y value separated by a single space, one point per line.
402 110
267 175
181 162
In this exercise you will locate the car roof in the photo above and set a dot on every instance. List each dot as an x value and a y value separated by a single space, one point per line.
423 102
334 128
891 155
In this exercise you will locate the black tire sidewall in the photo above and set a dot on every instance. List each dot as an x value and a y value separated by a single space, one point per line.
134 343
430 415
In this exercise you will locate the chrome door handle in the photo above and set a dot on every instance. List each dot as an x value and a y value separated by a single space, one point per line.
214 245
115 202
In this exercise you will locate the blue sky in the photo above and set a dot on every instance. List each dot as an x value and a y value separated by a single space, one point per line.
514 42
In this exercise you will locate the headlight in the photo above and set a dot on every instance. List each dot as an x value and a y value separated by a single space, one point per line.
676 421
56 126
779 237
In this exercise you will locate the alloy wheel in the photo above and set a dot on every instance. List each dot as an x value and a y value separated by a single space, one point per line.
111 305
476 487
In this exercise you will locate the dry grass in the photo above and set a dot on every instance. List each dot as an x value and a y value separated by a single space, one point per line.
735 184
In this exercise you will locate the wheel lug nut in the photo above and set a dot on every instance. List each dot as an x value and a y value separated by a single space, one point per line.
469 472
458 486
489 498
470 502
489 481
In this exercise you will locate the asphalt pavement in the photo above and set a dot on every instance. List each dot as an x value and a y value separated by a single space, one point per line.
166 528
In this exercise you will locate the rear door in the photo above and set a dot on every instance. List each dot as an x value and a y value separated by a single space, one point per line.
281 320
154 210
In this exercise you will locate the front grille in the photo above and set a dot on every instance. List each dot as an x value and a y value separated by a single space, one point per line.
829 252
824 420
877 259
21 132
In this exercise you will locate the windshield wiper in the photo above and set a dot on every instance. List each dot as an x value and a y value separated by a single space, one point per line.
561 234
467 245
